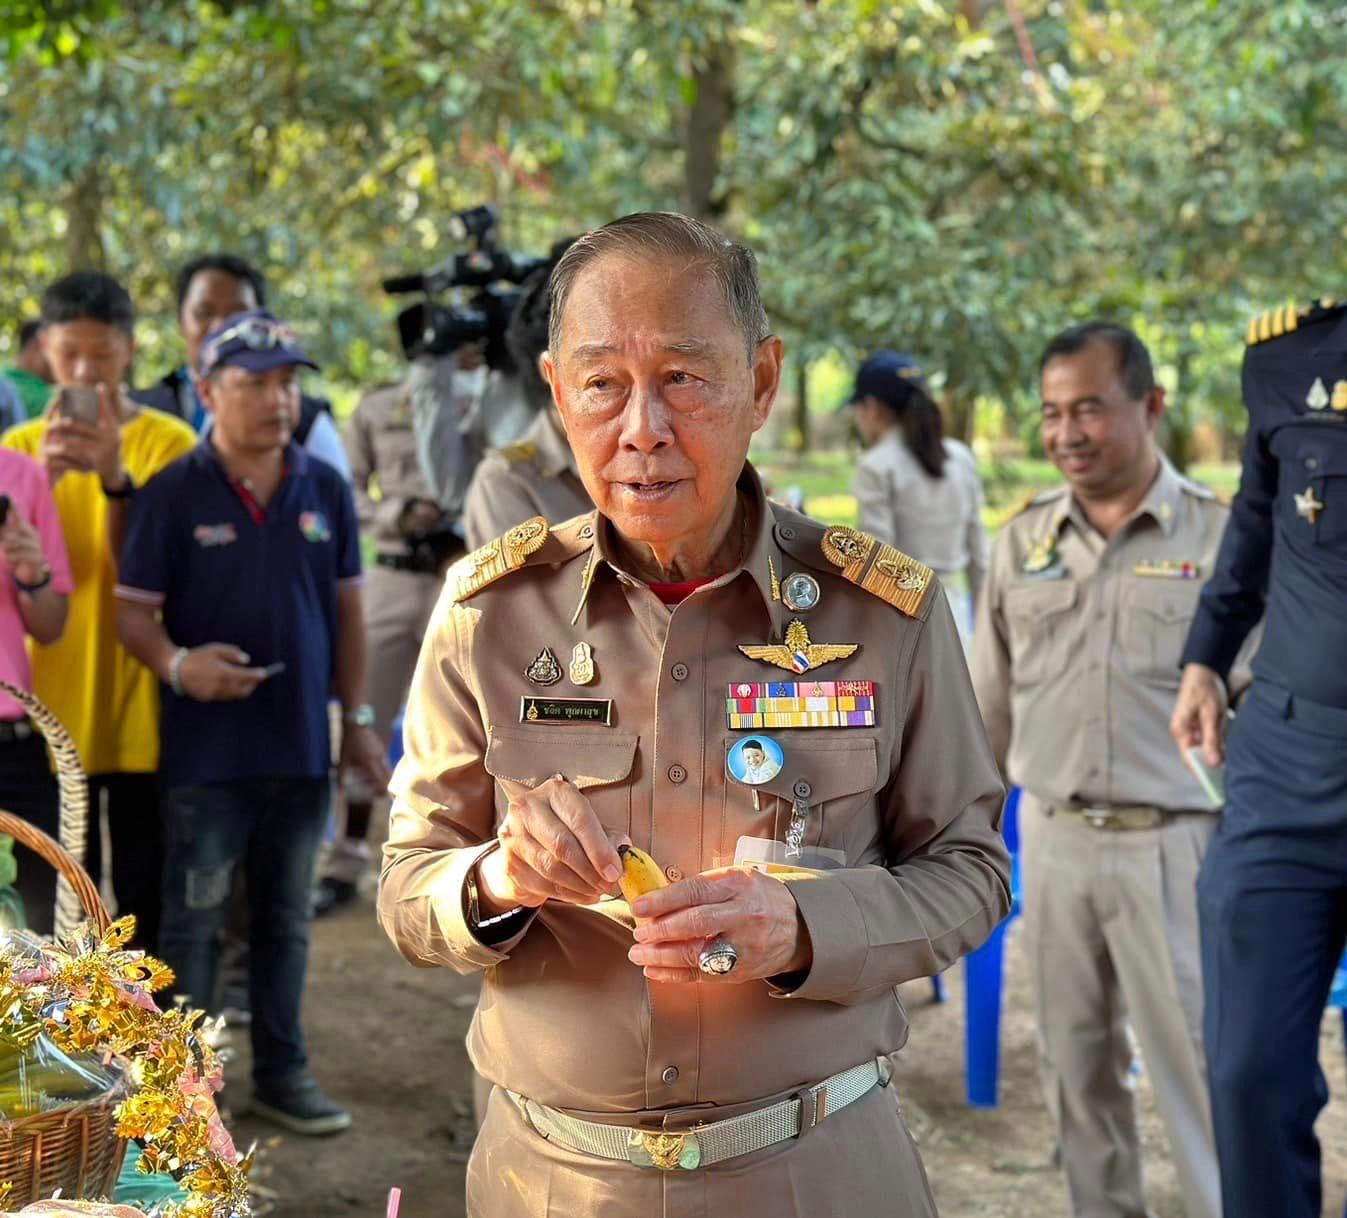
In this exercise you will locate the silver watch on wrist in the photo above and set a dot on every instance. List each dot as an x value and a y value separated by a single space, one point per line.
472 905
359 716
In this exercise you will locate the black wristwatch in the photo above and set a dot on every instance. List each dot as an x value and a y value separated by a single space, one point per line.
125 491
33 589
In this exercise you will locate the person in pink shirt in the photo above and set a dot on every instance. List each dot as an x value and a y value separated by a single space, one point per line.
34 584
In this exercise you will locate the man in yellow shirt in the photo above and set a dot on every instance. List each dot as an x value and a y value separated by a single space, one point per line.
107 700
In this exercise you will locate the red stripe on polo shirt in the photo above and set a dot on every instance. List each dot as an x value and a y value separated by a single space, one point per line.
256 509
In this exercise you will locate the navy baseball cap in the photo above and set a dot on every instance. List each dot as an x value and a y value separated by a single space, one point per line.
255 340
888 376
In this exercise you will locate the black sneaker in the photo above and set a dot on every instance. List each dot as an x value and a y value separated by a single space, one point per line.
299 1105
332 895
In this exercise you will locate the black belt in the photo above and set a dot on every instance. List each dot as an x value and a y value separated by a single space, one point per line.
16 729
407 562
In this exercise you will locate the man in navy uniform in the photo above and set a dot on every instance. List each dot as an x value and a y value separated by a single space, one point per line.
1273 889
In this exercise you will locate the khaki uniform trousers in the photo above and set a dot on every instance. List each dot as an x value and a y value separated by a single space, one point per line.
1111 922
398 605
859 1163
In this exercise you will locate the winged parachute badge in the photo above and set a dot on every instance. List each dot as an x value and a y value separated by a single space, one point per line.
798 653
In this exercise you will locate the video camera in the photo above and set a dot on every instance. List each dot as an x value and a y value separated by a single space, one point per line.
429 328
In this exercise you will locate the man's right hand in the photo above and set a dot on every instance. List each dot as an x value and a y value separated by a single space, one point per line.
553 847
218 672
1199 714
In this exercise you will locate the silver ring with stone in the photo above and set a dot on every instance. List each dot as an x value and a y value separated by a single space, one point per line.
717 958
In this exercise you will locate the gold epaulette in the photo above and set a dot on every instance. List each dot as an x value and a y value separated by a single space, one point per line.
1276 322
475 571
517 453
878 568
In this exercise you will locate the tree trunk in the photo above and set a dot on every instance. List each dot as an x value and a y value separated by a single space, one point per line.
800 432
84 212
1178 433
960 411
709 117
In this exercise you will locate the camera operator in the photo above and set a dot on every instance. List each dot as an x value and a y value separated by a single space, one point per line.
537 475
409 463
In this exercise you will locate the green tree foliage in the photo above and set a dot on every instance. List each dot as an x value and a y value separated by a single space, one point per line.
955 177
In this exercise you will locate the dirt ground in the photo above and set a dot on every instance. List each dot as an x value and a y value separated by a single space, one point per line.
387 1039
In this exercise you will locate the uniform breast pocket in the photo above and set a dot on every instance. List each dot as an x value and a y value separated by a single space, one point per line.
1037 615
834 777
1312 496
598 762
1153 627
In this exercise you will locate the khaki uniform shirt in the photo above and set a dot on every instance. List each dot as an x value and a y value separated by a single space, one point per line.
535 477
1076 666
913 804
936 520
385 472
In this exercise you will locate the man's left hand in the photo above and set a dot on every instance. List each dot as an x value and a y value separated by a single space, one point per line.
755 913
364 752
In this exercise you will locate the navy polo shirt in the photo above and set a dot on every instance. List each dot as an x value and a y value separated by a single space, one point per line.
223 570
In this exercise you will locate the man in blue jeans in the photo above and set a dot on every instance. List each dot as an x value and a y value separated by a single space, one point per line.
240 588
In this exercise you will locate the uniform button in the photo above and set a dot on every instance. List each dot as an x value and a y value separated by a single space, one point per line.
670 1075
673 874
679 672
1311 462
802 790
677 773
587 531
787 532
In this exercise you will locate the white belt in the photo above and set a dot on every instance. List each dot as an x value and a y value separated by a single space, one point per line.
703 1145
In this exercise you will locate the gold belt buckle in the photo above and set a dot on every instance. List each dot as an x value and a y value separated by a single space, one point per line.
1097 818
665 1151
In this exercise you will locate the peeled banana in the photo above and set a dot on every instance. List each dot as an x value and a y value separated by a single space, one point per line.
640 873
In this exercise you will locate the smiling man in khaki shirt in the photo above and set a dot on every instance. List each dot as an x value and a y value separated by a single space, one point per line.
628 1080
1075 661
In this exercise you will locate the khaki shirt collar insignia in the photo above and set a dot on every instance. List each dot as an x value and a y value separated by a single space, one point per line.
756 564
1162 500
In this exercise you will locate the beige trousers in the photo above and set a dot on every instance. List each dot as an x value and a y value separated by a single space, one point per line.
859 1163
1111 923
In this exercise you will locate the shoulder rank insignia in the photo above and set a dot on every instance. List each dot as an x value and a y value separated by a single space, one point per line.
517 453
475 571
880 569
1276 322
798 653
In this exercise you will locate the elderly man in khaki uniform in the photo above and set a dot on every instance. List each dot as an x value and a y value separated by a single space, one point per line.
584 686
536 476
1075 662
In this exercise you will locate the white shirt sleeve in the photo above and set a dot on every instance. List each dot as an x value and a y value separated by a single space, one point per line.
324 442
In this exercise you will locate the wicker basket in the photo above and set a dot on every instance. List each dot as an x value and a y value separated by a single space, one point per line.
76 1149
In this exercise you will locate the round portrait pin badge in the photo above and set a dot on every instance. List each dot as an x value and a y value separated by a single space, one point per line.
800 592
755 760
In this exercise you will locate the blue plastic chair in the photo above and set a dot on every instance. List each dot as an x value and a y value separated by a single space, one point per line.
395 741
984 972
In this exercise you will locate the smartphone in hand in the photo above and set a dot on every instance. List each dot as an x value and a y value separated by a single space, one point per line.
273 670
80 403
1211 778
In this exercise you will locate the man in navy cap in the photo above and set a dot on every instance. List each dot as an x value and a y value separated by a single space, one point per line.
916 489
240 588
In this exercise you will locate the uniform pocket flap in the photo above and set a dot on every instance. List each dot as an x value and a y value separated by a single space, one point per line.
587 759
817 771
1321 456
1040 599
1169 600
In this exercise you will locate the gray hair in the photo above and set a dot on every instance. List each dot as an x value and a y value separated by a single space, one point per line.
667 235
